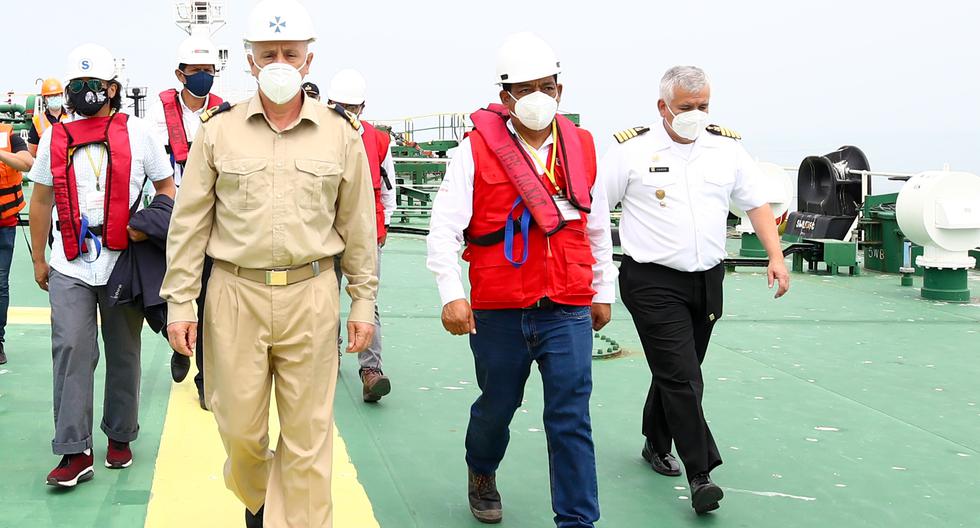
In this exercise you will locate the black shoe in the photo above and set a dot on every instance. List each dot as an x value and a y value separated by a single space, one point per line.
254 521
484 498
200 400
665 464
3 355
704 494
180 365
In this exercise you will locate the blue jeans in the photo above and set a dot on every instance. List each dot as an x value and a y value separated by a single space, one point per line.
560 340
7 237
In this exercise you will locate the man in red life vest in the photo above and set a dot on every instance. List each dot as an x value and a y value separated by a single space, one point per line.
177 116
520 191
90 171
347 93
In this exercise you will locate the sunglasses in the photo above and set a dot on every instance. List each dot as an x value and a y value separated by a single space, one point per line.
77 85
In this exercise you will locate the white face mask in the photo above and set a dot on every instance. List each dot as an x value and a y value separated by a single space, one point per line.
56 102
280 82
535 111
688 125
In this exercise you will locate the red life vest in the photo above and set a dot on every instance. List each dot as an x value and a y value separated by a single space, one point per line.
558 266
112 132
173 114
376 145
536 195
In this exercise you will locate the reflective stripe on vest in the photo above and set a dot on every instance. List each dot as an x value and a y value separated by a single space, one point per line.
111 131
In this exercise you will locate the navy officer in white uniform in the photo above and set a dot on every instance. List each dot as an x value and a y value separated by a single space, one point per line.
676 181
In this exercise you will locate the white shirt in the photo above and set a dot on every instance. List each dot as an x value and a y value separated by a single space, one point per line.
453 209
676 197
388 199
150 160
191 119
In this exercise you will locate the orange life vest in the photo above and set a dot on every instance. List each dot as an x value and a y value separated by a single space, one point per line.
11 191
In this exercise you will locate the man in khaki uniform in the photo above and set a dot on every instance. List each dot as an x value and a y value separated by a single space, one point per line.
273 189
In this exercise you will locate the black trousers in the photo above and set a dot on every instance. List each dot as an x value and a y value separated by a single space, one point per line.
199 350
674 313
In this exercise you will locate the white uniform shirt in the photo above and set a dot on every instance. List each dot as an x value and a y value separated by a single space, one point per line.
676 197
191 118
150 161
387 195
453 209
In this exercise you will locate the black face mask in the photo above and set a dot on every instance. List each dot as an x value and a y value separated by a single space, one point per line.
88 102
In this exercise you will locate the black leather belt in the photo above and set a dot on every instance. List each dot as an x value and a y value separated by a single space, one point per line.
543 303
97 230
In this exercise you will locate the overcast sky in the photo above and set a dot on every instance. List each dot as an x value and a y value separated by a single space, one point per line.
899 79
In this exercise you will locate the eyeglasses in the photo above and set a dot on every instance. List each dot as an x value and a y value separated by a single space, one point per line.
77 85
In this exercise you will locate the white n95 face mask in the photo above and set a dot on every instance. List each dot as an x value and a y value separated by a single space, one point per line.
280 82
688 125
536 111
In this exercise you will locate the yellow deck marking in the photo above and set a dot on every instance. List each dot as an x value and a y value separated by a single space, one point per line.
188 485
29 316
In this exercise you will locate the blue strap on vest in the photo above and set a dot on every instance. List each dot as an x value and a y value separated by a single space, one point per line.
525 223
85 233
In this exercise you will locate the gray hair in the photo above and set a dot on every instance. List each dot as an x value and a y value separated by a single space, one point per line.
690 78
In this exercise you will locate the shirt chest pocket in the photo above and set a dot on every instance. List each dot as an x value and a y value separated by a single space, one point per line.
318 182
246 184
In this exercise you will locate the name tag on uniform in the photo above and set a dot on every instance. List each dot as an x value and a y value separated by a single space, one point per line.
568 211
95 208
659 169
4 141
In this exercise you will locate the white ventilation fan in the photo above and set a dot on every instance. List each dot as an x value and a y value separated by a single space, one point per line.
940 211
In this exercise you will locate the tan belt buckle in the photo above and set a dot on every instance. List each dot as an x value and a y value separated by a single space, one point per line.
276 278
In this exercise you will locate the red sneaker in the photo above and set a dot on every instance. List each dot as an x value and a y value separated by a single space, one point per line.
119 456
72 470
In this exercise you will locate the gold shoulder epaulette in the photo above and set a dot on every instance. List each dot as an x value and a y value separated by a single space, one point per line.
630 133
722 131
351 118
214 110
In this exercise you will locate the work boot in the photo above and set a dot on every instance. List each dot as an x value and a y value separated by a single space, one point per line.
376 384
484 499
704 494
72 470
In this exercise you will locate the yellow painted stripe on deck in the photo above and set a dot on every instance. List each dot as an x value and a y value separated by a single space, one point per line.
29 315
188 484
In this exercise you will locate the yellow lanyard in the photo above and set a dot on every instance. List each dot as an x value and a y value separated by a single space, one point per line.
549 172
96 168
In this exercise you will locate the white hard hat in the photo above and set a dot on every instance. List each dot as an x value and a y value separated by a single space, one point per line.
525 57
279 20
348 87
91 60
197 50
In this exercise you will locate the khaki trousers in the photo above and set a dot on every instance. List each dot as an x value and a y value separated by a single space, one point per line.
258 336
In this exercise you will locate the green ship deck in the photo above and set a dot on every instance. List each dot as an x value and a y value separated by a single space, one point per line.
850 402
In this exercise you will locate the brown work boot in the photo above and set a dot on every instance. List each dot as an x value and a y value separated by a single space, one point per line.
484 499
376 384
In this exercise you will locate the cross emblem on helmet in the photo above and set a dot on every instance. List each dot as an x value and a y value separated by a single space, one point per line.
278 23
